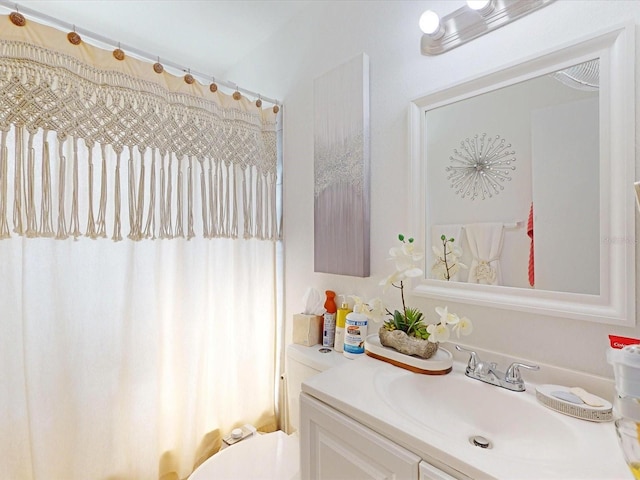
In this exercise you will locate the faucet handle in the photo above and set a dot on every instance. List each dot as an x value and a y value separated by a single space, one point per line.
473 358
513 372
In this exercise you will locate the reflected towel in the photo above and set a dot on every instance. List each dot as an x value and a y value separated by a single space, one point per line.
485 244
532 275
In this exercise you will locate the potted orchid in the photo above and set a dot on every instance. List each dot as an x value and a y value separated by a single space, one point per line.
447 261
406 330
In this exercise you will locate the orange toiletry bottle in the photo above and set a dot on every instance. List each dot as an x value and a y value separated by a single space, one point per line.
329 324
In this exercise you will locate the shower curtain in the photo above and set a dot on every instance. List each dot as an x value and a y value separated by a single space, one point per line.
120 361
128 359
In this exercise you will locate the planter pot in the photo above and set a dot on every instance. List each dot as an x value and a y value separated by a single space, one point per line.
403 343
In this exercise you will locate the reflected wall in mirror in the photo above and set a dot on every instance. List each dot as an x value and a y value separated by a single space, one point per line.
525 155
565 171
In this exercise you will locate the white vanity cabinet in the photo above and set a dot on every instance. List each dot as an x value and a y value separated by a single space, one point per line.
334 446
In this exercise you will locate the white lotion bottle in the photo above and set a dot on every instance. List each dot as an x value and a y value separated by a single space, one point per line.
355 332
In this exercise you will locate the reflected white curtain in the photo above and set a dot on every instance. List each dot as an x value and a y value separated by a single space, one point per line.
117 359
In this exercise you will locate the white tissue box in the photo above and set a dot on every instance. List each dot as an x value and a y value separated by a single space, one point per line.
307 329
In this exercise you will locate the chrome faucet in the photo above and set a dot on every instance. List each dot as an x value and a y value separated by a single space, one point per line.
489 373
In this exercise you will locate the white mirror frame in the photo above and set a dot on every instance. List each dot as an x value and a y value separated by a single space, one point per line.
616 302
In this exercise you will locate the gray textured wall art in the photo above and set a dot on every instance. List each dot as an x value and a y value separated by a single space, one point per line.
341 169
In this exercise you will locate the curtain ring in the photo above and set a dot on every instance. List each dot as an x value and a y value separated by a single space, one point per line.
157 67
236 95
188 78
259 102
17 18
73 37
276 108
118 53
213 87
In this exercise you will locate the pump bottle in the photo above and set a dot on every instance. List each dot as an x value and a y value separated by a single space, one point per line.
356 332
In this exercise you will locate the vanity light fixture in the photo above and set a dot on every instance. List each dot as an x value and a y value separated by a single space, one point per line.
474 19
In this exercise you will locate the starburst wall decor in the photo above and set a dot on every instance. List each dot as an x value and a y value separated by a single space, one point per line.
481 167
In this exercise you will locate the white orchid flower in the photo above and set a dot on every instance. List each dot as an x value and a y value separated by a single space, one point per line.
406 250
439 270
405 258
464 326
438 332
442 270
394 278
376 310
447 318
455 250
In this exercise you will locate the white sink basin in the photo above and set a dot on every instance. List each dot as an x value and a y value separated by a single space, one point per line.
459 408
435 416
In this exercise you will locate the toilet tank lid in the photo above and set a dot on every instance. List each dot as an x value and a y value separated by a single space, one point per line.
312 357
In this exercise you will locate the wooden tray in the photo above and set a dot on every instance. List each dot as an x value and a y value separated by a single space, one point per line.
440 363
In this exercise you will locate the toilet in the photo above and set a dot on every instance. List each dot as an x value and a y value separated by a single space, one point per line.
274 455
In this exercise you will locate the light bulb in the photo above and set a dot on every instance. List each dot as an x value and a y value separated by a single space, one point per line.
477 4
483 7
430 24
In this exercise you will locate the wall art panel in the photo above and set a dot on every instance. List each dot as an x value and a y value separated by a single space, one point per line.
341 169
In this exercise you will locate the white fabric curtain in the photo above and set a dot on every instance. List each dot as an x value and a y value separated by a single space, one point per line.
127 360
174 144
485 243
117 359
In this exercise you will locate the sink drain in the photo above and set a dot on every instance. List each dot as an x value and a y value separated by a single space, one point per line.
480 441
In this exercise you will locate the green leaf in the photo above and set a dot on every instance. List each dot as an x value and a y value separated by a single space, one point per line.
401 237
398 319
411 240
414 320
443 238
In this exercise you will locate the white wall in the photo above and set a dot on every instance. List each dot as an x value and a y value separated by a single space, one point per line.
566 161
332 32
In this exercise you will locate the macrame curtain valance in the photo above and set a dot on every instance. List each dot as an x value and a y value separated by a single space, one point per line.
94 146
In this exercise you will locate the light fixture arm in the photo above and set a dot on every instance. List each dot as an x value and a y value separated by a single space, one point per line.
465 24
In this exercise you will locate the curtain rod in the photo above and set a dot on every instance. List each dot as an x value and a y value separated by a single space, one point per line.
134 51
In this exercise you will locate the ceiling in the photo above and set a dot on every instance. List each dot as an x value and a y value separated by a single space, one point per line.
207 36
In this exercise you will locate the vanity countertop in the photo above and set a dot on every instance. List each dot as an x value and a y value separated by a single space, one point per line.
529 441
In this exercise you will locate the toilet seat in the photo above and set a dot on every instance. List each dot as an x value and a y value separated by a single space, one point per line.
261 457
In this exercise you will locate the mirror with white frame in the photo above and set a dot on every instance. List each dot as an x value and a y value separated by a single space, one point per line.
542 148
